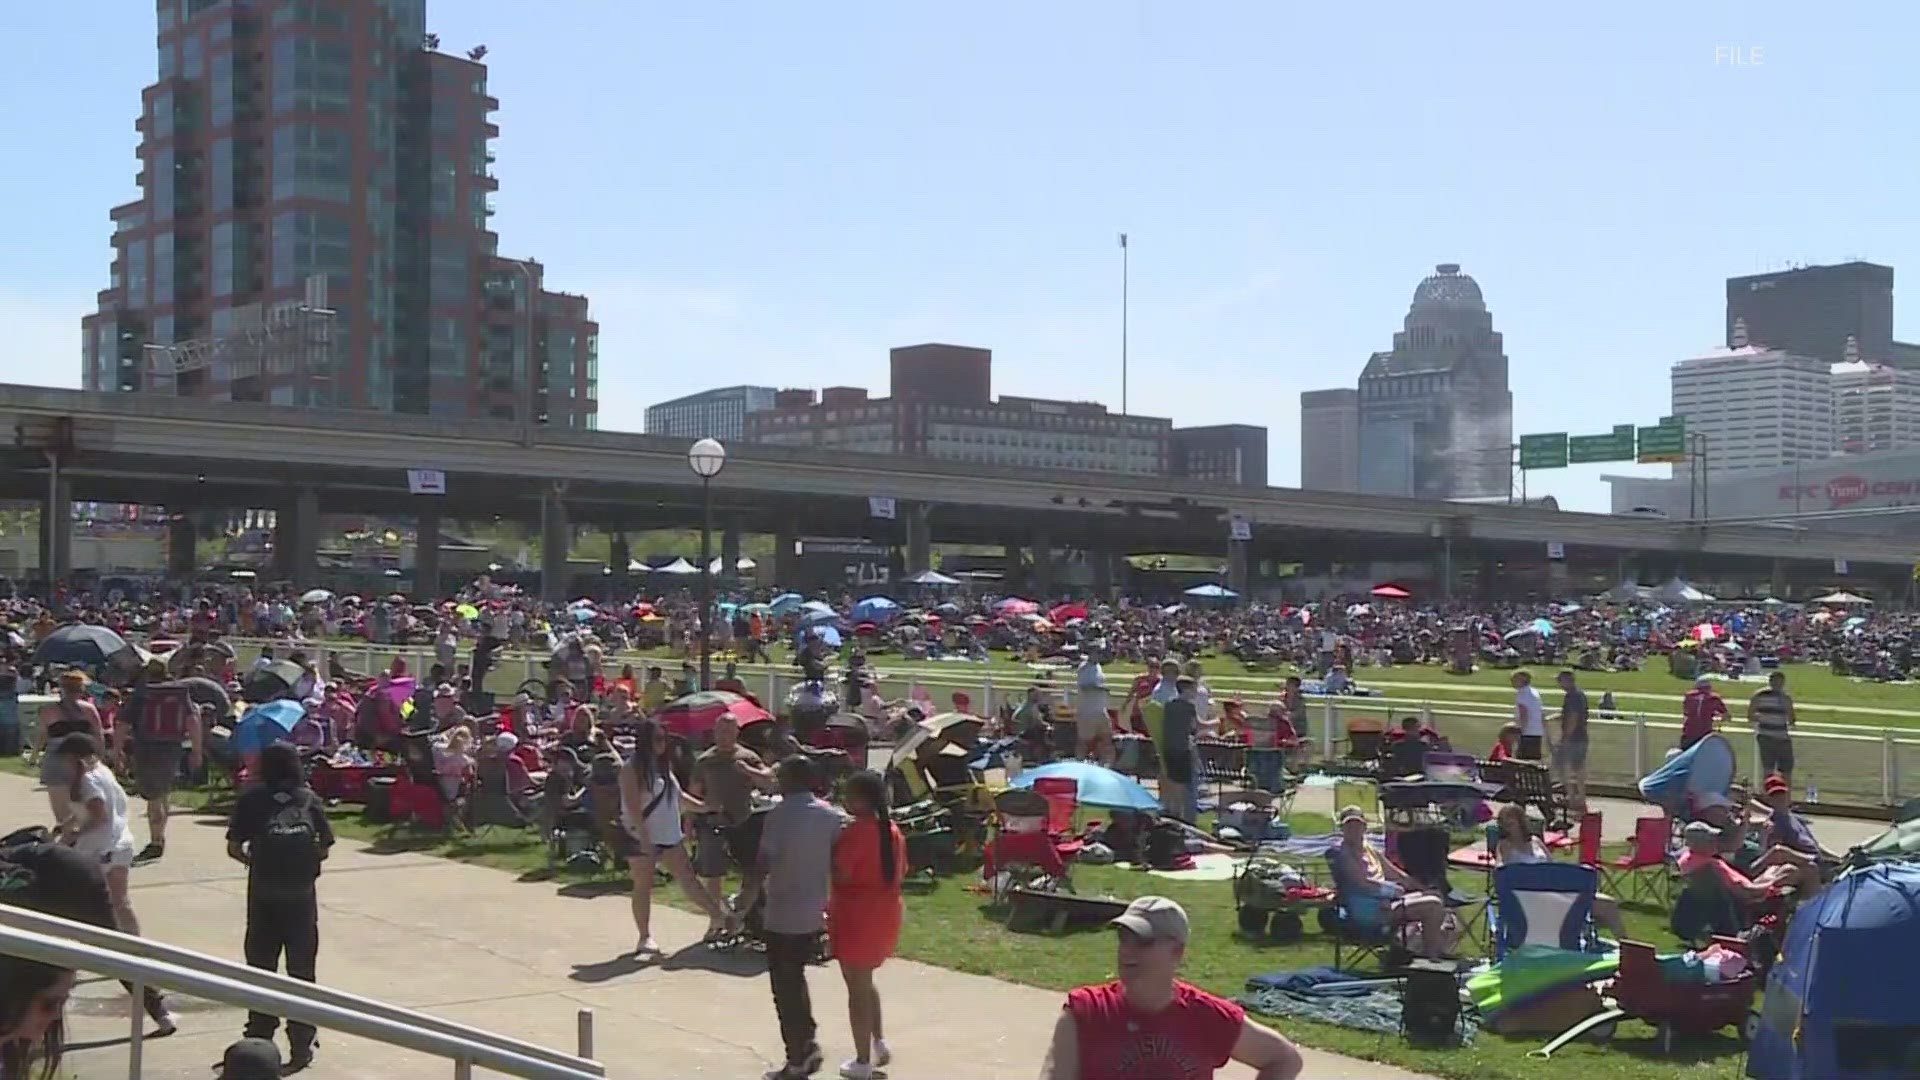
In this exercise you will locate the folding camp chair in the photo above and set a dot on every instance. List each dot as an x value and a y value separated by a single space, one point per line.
1063 802
1359 941
1532 785
1222 763
1548 903
1646 872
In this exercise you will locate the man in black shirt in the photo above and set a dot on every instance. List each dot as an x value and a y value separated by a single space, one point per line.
54 879
280 832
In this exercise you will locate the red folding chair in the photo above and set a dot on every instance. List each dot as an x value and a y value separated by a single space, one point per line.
1063 802
1645 872
1590 839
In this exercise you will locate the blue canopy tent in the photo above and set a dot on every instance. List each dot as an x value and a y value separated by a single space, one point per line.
878 610
1840 1003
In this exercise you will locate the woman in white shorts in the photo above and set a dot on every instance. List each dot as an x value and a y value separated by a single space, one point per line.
97 824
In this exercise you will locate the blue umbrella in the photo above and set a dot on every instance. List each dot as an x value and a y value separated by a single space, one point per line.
825 633
1098 786
813 617
786 602
878 610
818 605
1212 591
1543 627
585 614
265 724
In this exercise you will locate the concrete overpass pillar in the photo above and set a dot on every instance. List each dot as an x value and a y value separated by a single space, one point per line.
1239 577
556 537
426 554
1102 561
182 539
919 538
1777 584
619 553
786 568
296 535
56 533
730 546
1042 567
1443 568
1014 581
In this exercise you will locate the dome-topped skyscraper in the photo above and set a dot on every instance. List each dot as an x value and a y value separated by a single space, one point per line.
1436 417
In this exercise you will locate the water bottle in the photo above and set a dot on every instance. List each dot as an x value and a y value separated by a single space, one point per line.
1813 792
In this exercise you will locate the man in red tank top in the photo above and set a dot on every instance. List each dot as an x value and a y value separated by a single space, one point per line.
1148 1024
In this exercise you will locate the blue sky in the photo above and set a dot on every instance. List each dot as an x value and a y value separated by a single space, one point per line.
775 192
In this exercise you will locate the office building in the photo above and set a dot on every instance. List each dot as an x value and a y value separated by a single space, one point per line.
1875 408
710 414
940 407
314 227
1753 407
1436 416
1812 312
1220 454
1330 439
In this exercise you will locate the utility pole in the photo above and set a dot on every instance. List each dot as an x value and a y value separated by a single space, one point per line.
1123 324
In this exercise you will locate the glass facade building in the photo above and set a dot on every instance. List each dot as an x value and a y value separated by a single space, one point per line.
325 153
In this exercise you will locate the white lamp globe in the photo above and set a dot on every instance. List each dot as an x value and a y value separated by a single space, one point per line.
706 458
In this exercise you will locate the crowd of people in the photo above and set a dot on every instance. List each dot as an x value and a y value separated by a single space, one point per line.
808 867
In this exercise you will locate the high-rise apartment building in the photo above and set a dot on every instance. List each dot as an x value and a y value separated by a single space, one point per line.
1875 408
1756 407
319 169
1814 310
1436 417
711 414
1330 439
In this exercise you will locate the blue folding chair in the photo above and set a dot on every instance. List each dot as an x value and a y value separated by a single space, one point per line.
1548 903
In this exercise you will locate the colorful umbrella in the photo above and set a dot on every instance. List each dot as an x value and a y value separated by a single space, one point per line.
1706 631
1064 612
1014 605
1098 786
1391 592
263 725
695 714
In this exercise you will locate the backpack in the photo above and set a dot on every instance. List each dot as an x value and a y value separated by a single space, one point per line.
165 713
289 845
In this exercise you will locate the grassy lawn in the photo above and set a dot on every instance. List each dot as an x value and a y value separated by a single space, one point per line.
951 925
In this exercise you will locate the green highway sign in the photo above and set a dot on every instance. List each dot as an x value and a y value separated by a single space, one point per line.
1664 442
1615 446
1547 451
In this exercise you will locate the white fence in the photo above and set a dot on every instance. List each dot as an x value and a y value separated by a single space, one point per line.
1835 762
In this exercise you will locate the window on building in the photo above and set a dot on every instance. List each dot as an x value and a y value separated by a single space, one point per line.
312 161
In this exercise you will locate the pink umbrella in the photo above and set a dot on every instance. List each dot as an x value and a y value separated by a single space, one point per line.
1013 605
1391 592
1706 631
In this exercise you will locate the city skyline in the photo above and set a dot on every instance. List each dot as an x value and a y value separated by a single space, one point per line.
749 224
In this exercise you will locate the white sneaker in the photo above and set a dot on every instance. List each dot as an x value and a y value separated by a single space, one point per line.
882 1057
647 947
857 1070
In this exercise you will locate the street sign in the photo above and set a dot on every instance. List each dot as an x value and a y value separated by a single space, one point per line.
1617 445
1547 451
1664 442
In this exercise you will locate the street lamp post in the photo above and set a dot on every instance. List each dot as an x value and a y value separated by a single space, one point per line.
706 458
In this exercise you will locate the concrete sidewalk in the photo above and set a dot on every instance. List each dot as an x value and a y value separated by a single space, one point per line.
475 945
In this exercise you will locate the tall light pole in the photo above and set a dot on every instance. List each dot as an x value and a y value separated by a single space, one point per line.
1123 324
706 458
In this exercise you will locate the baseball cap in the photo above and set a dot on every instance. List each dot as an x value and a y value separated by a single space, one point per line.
1352 813
250 1059
1155 918
1703 682
1699 831
1776 782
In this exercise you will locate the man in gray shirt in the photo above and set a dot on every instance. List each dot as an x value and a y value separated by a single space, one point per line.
796 875
1178 797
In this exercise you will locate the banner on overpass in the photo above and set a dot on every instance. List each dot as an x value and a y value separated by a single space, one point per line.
882 506
1239 528
426 482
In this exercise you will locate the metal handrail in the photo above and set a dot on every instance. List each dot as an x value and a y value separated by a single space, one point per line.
137 961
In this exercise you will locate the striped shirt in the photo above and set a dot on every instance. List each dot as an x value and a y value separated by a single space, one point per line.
1771 711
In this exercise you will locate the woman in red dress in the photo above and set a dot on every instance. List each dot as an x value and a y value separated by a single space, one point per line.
863 914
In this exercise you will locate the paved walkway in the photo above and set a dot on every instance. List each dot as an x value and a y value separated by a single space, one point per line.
476 946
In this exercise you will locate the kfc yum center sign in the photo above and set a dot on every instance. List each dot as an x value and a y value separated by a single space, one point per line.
1849 490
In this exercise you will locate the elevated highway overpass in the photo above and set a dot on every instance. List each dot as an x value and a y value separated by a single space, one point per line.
189 454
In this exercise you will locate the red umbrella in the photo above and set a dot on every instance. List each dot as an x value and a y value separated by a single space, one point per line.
866 629
1064 612
1391 592
695 714
642 608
